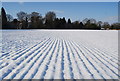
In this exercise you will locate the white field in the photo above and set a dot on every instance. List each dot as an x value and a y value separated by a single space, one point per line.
57 54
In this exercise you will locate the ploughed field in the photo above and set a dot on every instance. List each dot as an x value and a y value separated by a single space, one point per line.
58 54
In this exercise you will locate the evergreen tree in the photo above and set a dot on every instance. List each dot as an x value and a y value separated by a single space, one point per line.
69 24
81 25
4 18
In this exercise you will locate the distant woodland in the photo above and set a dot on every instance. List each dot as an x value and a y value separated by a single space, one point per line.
50 21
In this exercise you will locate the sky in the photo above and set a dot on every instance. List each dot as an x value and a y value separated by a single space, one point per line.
103 11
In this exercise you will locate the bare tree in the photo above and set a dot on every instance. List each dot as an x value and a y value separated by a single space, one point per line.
50 16
85 20
49 19
28 16
21 15
35 14
92 20
106 25
9 17
99 23
36 20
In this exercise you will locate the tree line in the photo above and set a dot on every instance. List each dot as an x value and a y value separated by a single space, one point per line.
50 21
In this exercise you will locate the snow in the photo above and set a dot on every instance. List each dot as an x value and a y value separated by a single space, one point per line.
59 54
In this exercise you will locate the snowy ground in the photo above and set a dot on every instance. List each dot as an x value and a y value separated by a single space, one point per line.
50 54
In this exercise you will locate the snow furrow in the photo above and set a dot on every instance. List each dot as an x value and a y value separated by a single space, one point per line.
104 58
42 63
51 52
111 70
103 52
33 57
52 65
43 54
83 66
23 73
91 63
78 71
17 54
68 66
20 59
106 66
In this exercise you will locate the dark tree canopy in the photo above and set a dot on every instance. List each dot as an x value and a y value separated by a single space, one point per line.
69 21
35 20
4 18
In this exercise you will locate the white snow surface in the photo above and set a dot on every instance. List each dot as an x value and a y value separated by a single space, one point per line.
59 54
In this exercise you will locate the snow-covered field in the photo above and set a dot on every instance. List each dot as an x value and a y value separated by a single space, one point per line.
51 54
